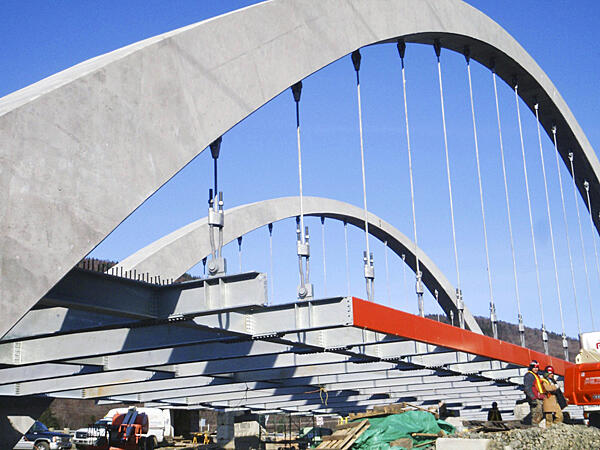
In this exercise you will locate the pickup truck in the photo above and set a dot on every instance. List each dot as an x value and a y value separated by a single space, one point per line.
39 437
98 436
93 435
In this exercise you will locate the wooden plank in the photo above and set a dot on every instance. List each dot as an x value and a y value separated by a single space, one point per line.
340 434
345 436
344 426
352 439
394 408
430 435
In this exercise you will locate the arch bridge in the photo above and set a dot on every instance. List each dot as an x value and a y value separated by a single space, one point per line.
82 149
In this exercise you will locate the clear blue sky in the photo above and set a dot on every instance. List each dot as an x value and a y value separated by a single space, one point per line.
42 38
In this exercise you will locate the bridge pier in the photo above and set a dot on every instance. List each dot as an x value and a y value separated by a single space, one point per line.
17 414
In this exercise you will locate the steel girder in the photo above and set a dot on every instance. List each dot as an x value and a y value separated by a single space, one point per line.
88 300
429 385
243 353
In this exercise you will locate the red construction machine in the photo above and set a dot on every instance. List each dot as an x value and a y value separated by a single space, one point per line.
127 431
582 380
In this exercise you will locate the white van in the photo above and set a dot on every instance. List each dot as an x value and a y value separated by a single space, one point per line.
160 430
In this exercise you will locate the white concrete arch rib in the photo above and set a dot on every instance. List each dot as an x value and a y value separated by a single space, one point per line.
81 150
175 253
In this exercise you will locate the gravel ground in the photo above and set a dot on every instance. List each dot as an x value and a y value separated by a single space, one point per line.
557 437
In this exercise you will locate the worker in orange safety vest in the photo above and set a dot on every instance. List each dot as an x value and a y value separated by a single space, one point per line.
534 392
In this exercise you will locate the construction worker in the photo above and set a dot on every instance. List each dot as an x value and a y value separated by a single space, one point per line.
494 413
534 392
551 408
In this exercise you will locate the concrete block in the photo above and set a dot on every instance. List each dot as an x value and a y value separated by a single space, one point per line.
521 411
462 444
456 423
225 430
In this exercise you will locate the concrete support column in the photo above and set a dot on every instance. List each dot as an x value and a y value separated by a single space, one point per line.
226 429
17 414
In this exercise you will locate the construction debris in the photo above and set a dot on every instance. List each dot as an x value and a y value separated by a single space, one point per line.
396 408
345 435
400 425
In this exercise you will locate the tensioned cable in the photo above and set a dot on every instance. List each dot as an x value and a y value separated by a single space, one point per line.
437 48
586 184
560 308
296 89
535 259
387 273
270 227
401 51
324 263
347 264
485 238
587 278
403 272
510 230
356 61
566 223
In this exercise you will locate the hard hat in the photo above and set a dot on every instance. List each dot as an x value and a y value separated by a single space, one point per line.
533 364
549 369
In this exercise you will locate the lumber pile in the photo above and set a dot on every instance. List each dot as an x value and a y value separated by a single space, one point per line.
345 435
395 408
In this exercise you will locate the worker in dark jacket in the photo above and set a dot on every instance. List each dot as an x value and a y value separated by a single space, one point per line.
494 413
534 392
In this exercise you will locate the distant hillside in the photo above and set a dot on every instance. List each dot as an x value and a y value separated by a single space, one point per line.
533 336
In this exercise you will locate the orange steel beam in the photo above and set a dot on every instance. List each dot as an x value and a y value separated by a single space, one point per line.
391 321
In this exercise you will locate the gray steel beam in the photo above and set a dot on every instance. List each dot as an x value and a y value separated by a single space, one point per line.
483 398
17 374
103 342
290 318
201 385
112 301
429 384
80 382
345 378
440 390
271 363
142 391
239 390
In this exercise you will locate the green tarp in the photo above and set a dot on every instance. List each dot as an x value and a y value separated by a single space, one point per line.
384 430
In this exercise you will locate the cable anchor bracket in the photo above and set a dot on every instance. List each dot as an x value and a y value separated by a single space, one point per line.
419 290
369 271
494 320
305 289
521 330
216 221
545 339
460 304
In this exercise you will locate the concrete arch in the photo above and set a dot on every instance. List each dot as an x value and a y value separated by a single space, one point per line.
82 149
175 253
